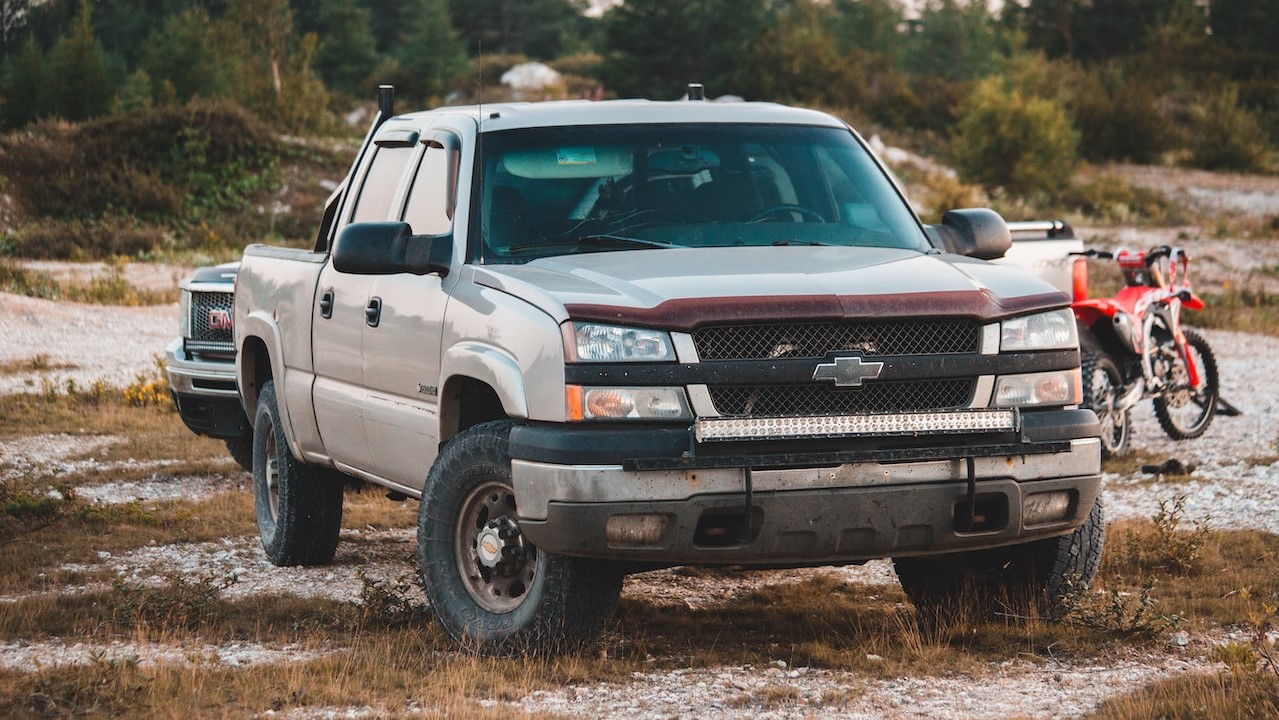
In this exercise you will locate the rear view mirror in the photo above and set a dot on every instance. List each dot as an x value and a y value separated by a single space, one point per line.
390 248
975 232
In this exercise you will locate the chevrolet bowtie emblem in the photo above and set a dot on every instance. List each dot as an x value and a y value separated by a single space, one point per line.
848 371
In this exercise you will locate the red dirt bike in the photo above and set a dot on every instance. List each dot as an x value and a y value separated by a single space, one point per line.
1135 347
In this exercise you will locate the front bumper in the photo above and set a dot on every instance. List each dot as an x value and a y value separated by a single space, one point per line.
825 506
205 393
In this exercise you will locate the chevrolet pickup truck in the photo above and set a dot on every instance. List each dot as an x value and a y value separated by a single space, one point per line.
599 338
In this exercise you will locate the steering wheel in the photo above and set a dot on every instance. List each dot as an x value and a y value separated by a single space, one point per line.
805 212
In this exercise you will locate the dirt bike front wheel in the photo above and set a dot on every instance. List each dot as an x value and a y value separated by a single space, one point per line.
1185 412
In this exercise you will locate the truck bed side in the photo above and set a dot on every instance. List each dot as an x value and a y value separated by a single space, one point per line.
274 304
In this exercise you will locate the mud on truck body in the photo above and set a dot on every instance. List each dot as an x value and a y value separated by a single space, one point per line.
598 338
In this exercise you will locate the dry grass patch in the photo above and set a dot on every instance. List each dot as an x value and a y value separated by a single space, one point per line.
111 289
1220 696
1206 578
33 562
36 363
152 432
822 622
393 671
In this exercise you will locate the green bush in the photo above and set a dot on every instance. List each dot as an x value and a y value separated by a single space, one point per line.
1004 139
88 239
1118 117
1225 135
171 165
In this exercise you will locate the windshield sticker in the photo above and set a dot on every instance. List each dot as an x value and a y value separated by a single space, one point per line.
576 155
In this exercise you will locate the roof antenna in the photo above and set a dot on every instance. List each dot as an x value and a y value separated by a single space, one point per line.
696 91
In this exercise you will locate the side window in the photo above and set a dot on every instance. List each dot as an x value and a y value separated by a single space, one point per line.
433 197
374 203
325 234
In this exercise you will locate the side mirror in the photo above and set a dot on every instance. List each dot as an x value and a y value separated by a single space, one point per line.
975 232
390 248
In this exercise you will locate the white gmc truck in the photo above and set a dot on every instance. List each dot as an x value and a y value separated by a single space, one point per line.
598 338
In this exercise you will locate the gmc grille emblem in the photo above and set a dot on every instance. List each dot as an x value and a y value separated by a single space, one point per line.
848 371
219 320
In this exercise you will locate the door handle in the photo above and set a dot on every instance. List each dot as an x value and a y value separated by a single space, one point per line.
373 313
326 304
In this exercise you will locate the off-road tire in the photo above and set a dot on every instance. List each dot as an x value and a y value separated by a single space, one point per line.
241 449
299 506
1170 425
567 601
1042 576
1101 376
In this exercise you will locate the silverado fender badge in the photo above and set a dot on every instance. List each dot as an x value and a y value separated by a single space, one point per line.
848 371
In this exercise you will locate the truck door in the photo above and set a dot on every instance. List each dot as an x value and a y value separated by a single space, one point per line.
341 312
402 352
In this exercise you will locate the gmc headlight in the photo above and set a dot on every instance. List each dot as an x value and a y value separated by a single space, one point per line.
593 342
1059 387
626 403
1046 331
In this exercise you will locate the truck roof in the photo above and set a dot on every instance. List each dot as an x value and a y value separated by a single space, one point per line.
508 116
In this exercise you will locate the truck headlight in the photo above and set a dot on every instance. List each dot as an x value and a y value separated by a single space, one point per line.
1059 387
595 342
1045 331
625 403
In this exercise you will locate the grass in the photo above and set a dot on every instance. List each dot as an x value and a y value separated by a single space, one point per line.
1242 309
113 289
36 363
1219 696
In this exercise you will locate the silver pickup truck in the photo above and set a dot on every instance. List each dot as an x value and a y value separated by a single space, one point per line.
596 338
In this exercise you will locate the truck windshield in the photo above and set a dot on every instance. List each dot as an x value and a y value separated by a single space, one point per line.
556 191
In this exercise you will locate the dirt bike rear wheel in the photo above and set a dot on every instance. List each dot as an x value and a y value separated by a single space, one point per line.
1185 412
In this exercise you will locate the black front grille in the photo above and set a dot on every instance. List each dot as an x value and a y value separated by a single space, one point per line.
203 328
805 400
815 340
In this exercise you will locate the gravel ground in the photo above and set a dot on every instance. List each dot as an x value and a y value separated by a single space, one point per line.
98 342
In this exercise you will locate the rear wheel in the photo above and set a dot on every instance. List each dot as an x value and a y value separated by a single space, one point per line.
979 584
1103 388
1184 411
299 506
491 589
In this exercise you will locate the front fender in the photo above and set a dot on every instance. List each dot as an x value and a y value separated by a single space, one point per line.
492 366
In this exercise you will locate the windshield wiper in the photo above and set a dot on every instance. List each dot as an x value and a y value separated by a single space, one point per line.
789 243
592 241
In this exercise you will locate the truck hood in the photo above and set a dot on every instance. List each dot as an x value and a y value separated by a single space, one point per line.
681 289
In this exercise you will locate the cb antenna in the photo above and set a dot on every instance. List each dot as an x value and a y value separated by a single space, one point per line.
479 143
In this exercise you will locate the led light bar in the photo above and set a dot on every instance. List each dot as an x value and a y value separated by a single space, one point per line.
927 423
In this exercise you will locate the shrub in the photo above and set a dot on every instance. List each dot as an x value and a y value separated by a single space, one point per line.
1022 144
167 165
88 239
1118 118
1224 135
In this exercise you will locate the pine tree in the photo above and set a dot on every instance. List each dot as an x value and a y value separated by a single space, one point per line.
347 52
78 68
24 94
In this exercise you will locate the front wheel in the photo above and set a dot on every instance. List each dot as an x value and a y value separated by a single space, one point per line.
1103 388
491 589
1048 573
1184 411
